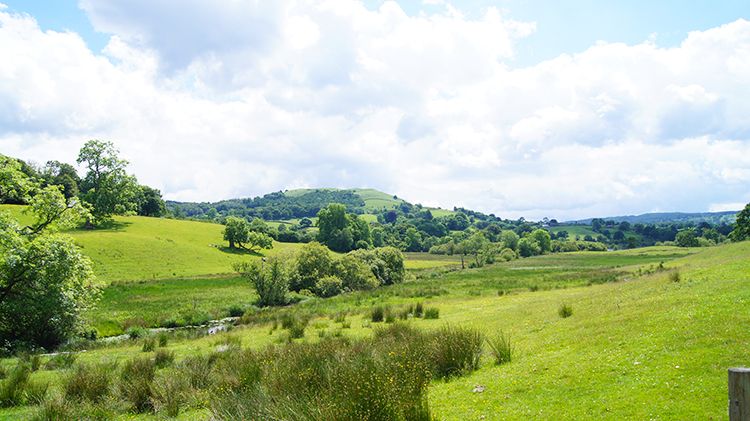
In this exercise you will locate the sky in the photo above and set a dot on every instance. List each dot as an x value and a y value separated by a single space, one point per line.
520 108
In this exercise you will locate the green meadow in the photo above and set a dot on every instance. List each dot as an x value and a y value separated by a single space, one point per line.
650 334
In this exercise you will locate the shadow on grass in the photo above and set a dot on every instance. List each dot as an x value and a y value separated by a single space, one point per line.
241 252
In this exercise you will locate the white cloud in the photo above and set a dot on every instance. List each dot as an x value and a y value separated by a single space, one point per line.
211 100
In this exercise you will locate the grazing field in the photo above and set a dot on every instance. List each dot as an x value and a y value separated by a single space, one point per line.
137 248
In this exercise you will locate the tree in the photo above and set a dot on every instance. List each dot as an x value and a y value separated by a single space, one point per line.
528 247
313 262
342 232
15 186
107 188
149 202
270 279
632 242
510 240
686 238
543 239
741 230
235 231
239 235
45 282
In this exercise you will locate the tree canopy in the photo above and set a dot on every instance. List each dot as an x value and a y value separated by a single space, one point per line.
106 187
741 230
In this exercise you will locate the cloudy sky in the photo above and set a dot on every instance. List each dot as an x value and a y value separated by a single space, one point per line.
526 108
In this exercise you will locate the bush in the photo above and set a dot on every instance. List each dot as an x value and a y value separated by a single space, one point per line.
270 279
419 310
329 286
135 332
236 311
674 276
87 382
501 348
565 310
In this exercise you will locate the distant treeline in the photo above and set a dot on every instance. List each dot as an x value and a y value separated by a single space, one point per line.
271 207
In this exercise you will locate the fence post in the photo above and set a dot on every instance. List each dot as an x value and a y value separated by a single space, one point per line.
739 394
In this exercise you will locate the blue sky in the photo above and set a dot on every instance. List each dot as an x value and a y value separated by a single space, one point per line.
528 108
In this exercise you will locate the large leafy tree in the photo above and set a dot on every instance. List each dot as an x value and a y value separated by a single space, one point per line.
45 282
107 188
342 232
741 230
239 235
15 186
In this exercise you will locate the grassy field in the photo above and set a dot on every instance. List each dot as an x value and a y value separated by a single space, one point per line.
651 335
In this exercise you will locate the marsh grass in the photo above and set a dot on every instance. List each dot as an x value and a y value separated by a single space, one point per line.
12 388
135 383
501 348
565 310
87 382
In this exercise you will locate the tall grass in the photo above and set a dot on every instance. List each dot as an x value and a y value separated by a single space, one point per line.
501 348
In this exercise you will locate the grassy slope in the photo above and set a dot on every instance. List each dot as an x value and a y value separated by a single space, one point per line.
151 248
648 348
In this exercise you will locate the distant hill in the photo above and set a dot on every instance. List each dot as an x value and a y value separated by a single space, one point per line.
713 218
297 204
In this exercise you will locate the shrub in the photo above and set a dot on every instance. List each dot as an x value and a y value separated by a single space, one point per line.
163 338
87 382
432 313
501 348
270 279
674 276
135 332
329 286
565 310
236 311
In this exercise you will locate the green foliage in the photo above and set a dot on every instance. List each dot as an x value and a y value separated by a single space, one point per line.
45 282
542 239
342 232
270 279
170 391
329 286
377 314
354 273
312 263
528 247
15 186
687 238
107 188
239 235
741 230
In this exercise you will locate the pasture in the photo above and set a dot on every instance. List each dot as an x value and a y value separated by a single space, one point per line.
650 334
